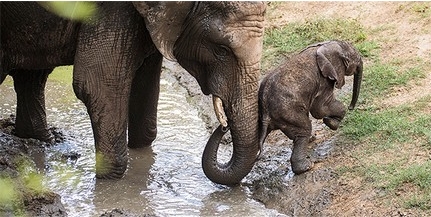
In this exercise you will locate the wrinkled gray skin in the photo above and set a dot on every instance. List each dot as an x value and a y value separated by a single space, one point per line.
117 63
303 84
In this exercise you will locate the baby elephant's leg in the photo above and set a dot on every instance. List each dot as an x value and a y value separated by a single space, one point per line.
299 130
300 159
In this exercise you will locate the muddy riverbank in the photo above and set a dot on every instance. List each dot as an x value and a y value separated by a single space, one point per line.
271 181
21 188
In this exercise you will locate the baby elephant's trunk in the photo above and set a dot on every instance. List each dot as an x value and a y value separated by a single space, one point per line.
357 79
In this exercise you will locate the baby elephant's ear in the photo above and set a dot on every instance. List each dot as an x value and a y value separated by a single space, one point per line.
325 66
328 70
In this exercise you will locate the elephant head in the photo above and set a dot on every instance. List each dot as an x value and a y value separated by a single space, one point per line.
334 55
220 44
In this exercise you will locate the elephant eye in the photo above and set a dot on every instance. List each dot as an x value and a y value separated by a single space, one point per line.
221 51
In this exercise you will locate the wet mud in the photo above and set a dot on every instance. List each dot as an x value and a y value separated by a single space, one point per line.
26 199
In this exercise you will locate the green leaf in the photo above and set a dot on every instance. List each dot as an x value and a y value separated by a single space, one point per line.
80 11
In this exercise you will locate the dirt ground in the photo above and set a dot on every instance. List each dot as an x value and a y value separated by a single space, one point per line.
319 192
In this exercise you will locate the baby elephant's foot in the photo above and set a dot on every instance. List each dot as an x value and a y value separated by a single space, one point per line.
301 166
331 122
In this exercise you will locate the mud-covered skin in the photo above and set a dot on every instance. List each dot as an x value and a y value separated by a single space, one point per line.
305 84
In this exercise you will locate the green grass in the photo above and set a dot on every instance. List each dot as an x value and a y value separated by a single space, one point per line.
17 189
8 194
417 174
62 74
395 124
293 37
420 9
382 128
379 79
399 176
80 11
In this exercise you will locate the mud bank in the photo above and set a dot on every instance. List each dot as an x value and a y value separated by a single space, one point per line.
22 194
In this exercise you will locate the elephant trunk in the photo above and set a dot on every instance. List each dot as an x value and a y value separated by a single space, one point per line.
210 165
240 164
357 79
242 119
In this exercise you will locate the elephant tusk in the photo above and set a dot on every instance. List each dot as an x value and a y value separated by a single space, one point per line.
219 111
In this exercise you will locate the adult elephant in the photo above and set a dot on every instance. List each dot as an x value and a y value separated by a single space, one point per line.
117 59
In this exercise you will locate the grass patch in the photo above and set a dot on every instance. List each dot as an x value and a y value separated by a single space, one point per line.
420 9
17 190
394 125
409 185
417 174
296 36
379 79
62 74
388 137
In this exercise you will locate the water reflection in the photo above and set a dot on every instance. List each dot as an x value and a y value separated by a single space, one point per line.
165 179
127 192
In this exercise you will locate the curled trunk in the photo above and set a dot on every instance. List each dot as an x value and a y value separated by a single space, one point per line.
357 79
242 120
209 157
232 172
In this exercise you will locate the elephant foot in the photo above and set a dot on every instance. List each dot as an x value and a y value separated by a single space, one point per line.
139 145
142 140
332 123
109 169
42 135
301 166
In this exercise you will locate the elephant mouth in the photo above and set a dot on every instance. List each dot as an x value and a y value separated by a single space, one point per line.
219 110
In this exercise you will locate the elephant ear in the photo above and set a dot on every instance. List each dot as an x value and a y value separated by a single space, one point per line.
164 21
351 59
326 55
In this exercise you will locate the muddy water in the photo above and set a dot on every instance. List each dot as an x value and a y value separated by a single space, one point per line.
165 179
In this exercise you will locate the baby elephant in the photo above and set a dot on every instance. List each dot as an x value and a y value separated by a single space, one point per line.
304 84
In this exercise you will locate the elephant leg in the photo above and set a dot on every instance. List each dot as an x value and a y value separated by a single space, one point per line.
300 160
110 51
30 111
298 128
144 97
107 105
